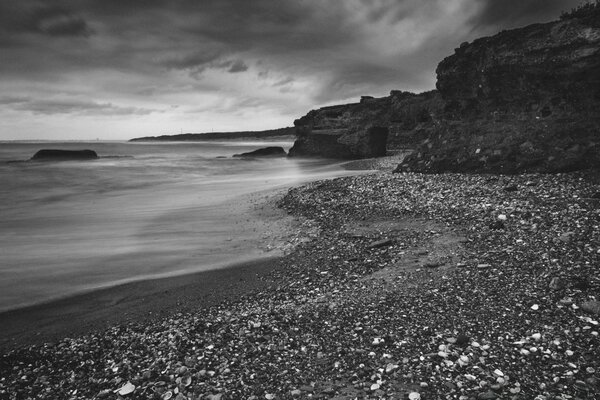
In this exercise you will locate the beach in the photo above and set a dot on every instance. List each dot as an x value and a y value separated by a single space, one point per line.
453 285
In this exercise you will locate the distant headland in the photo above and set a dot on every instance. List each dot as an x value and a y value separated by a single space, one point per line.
283 133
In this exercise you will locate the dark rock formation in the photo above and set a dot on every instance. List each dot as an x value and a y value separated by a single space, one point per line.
349 131
272 151
64 155
368 128
522 100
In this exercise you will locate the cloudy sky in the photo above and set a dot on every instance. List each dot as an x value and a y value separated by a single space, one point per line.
117 69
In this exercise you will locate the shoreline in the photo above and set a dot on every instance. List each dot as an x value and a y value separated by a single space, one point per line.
133 302
153 298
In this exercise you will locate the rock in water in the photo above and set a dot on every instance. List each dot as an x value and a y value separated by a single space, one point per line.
272 151
64 155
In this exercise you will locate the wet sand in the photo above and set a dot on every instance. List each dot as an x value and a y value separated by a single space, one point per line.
140 301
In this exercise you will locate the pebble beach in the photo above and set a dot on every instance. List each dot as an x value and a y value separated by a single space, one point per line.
400 286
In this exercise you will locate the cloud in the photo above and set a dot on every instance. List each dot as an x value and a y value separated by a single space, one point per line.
38 17
57 21
289 57
237 66
194 61
71 106
507 14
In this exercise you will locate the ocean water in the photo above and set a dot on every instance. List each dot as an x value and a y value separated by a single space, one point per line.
142 210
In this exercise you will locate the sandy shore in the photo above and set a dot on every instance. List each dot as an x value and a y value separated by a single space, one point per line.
446 286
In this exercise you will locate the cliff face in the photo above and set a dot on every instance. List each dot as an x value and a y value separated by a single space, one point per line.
522 100
345 131
368 128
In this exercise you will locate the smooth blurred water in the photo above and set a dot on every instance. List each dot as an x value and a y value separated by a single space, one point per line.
141 210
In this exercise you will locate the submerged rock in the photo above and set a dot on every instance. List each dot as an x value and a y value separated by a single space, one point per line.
271 151
64 155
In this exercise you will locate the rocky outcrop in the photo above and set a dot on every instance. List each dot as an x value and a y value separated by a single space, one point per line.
271 151
64 155
522 100
368 128
356 130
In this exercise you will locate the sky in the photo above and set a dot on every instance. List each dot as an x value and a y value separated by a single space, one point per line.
118 69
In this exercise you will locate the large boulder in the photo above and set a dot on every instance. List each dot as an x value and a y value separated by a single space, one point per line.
64 155
523 100
271 151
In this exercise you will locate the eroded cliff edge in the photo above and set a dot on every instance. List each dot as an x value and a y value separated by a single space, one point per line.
523 100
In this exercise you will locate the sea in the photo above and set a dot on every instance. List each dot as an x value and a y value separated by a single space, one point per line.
142 210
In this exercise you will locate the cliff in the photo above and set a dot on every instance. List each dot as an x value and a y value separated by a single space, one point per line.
523 100
368 128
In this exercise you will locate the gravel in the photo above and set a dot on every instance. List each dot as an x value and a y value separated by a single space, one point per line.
407 289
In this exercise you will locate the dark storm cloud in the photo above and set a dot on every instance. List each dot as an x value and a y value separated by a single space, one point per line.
38 17
312 51
192 61
506 14
58 21
237 66
49 107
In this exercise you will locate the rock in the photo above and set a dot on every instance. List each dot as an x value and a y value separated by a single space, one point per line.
566 237
368 128
556 284
271 151
64 155
592 307
462 340
337 132
126 389
433 264
381 243
489 395
497 225
522 100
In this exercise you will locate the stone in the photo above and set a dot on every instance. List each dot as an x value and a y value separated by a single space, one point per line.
462 340
497 225
591 306
271 151
489 395
556 284
64 155
381 243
